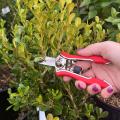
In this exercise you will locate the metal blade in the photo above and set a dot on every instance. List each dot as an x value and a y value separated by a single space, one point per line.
50 61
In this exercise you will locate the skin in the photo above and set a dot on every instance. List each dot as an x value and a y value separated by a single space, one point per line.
110 72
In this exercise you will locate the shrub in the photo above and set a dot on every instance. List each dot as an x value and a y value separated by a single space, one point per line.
44 28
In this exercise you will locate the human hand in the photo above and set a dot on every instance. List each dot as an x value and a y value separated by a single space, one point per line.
108 72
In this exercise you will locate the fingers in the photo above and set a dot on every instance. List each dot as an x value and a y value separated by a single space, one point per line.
66 79
89 73
102 49
93 49
80 85
107 50
107 92
95 89
91 89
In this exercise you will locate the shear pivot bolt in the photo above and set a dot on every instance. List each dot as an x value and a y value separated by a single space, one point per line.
58 64
77 69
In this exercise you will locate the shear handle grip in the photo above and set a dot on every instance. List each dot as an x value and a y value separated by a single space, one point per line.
88 81
96 59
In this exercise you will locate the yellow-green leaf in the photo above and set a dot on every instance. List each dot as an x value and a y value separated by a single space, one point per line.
71 17
39 99
49 116
77 21
70 7
21 50
97 19
62 3
56 118
62 15
68 1
99 26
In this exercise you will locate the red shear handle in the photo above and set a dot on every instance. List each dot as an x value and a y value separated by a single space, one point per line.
88 81
96 59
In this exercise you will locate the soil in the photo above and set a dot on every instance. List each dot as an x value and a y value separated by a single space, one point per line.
114 100
5 77
6 114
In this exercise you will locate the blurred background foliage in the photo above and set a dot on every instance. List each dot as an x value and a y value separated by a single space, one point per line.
10 16
88 9
92 8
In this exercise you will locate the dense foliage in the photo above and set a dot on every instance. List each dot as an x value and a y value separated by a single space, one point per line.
107 10
44 28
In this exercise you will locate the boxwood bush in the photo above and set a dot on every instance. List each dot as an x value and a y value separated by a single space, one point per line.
45 28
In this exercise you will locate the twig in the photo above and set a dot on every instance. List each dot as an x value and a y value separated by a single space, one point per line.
71 97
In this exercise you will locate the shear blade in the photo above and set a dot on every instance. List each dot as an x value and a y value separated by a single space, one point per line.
49 61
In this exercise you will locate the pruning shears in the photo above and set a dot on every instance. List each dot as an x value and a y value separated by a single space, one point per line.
65 66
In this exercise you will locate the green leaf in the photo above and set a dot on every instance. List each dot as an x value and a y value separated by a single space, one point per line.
58 109
117 1
26 91
92 13
118 26
92 118
112 20
114 13
91 107
105 4
9 107
16 108
38 59
104 114
85 3
2 23
109 19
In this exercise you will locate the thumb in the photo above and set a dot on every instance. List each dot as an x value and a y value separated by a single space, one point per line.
93 49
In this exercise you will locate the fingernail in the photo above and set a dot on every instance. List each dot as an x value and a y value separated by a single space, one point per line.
95 89
80 87
110 90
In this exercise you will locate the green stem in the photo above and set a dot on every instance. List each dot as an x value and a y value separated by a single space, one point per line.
71 97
